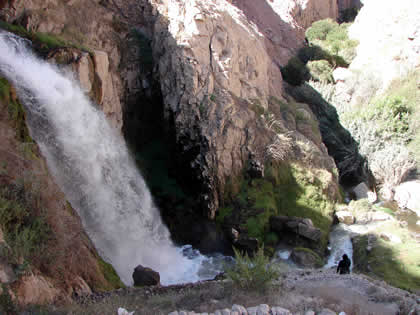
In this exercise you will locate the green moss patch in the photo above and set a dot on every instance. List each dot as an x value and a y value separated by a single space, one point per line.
288 189
43 42
110 276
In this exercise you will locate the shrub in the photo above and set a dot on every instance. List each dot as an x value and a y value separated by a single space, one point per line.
320 70
320 29
390 166
295 72
25 228
254 273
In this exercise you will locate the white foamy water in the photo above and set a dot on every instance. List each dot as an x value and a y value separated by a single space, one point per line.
340 244
90 162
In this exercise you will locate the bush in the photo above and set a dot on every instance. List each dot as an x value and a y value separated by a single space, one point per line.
320 29
295 72
321 70
254 273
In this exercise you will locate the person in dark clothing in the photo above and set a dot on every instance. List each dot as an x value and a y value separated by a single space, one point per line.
344 265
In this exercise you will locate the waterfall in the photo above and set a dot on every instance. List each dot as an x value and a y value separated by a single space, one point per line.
340 244
91 163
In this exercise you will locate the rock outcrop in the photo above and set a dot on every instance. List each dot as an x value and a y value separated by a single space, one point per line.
299 226
218 69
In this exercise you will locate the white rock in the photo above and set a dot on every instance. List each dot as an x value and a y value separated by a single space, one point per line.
407 196
263 309
252 310
380 216
240 309
390 237
310 312
277 310
123 311
225 311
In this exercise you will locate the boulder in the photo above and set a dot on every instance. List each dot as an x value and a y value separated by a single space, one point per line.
300 226
144 276
390 237
407 196
361 191
345 217
306 258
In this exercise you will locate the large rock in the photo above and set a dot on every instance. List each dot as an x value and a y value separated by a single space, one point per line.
306 258
345 217
144 276
407 195
300 226
92 72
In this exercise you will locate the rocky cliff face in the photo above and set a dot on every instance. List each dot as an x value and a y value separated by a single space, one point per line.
218 67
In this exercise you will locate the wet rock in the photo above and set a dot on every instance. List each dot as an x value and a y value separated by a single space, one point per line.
300 226
345 217
306 258
256 169
144 276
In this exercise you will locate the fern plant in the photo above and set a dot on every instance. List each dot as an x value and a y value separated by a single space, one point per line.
252 273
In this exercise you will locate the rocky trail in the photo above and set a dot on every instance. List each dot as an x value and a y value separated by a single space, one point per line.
300 291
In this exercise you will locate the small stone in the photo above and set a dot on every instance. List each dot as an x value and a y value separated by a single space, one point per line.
225 311
240 309
310 312
252 310
263 309
277 310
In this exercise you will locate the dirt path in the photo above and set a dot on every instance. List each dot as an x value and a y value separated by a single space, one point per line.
355 293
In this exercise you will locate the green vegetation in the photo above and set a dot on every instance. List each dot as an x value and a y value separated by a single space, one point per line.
287 189
333 39
254 273
388 130
111 276
295 72
16 112
43 42
396 263
328 47
23 222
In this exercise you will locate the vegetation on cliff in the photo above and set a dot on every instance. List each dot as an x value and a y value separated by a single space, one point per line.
42 233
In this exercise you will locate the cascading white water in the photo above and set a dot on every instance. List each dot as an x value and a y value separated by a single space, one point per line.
92 165
340 243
